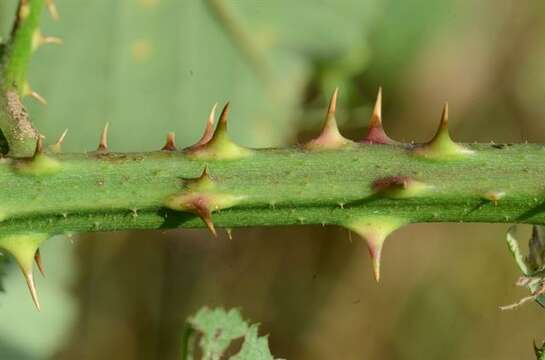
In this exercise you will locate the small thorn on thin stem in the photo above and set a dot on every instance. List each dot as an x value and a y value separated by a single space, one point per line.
37 97
103 144
57 146
52 9
46 40
170 144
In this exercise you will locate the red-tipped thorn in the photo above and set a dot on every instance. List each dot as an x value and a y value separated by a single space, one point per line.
170 144
39 263
201 209
330 137
103 144
209 129
374 246
375 131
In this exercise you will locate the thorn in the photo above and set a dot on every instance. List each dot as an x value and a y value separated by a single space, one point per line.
39 145
29 278
209 130
39 263
52 9
374 231
374 246
330 137
376 117
170 144
204 213
38 97
375 131
222 123
441 145
56 147
444 117
47 40
205 174
494 196
103 144
216 144
332 108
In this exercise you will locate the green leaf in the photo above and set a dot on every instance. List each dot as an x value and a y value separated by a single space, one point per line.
217 329
254 347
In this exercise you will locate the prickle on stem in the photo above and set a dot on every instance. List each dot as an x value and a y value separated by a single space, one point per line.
441 146
375 131
27 91
24 248
170 144
56 148
39 164
103 142
330 136
374 231
219 145
201 197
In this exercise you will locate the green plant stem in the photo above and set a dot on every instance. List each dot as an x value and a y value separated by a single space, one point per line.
20 46
14 122
94 192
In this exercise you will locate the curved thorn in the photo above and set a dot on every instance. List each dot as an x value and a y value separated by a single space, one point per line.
209 130
222 123
170 144
39 263
204 213
103 144
205 173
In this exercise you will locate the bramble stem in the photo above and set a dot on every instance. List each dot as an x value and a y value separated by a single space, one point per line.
15 124
107 192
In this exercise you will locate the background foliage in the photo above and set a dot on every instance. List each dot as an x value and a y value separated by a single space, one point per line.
152 66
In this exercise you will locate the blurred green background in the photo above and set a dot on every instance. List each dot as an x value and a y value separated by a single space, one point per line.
153 66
